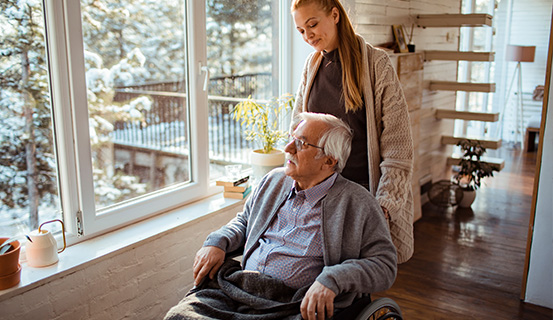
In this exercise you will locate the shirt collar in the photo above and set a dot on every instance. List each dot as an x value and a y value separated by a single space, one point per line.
332 55
316 193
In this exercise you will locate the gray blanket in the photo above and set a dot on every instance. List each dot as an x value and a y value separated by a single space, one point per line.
238 294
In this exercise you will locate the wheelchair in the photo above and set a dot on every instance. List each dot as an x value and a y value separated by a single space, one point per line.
365 309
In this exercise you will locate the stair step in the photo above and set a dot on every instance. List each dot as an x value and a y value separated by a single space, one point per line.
454 20
466 115
486 143
458 55
497 163
462 86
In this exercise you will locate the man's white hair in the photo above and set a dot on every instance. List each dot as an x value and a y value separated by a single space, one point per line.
335 140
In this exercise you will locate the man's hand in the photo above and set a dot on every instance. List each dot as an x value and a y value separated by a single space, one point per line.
208 260
317 300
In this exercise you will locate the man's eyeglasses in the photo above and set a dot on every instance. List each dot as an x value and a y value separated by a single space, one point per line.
300 144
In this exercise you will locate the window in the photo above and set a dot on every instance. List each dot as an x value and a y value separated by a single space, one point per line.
123 129
136 80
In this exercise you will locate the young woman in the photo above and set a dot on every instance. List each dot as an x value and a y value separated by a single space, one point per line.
354 81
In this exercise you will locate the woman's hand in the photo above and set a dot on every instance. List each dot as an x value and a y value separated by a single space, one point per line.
208 260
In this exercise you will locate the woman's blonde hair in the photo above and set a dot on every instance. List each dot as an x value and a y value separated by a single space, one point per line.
348 50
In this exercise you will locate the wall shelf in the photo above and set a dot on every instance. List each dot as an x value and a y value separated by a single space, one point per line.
454 20
466 115
462 86
458 55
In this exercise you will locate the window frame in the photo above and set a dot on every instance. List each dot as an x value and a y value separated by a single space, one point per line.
64 43
67 85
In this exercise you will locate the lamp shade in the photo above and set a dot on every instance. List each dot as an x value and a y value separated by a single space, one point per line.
520 53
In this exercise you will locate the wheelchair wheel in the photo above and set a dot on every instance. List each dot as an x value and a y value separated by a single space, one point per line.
380 309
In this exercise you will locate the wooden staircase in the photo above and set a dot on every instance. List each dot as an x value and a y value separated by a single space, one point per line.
461 20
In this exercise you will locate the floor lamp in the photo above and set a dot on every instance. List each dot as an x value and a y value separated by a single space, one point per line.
517 54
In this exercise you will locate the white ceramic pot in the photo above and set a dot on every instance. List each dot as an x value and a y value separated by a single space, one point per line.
468 198
262 163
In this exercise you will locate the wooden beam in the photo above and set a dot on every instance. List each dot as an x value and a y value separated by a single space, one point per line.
466 115
462 86
497 163
458 55
489 144
454 20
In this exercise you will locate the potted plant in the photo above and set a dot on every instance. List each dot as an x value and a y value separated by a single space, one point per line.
471 170
261 120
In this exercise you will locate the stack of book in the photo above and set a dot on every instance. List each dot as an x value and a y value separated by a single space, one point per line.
235 188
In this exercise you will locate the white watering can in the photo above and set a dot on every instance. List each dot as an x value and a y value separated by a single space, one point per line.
43 250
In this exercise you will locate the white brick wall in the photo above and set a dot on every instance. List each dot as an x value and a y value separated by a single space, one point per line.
141 282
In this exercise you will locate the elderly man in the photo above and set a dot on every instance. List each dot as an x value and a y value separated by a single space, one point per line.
312 240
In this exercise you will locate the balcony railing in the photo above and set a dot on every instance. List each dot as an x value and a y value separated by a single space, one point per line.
163 127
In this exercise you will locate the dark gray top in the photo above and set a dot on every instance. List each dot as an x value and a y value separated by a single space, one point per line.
326 97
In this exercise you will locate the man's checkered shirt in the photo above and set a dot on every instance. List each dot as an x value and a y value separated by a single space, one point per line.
291 249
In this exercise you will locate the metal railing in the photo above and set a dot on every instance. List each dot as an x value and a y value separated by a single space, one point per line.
163 127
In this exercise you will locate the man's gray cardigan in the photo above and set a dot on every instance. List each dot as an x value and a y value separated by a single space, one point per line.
358 252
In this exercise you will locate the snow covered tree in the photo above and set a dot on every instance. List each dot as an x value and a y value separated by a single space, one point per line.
239 35
27 165
113 29
28 175
111 186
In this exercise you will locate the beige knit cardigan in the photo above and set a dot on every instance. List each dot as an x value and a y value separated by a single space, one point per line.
389 141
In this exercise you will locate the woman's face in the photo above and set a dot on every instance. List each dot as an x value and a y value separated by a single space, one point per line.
317 28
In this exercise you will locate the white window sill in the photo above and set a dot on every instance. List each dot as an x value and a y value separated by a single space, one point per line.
82 254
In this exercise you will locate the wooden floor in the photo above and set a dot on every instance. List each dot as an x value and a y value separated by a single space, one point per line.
468 263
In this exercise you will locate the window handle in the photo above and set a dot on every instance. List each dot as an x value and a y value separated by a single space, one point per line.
206 79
